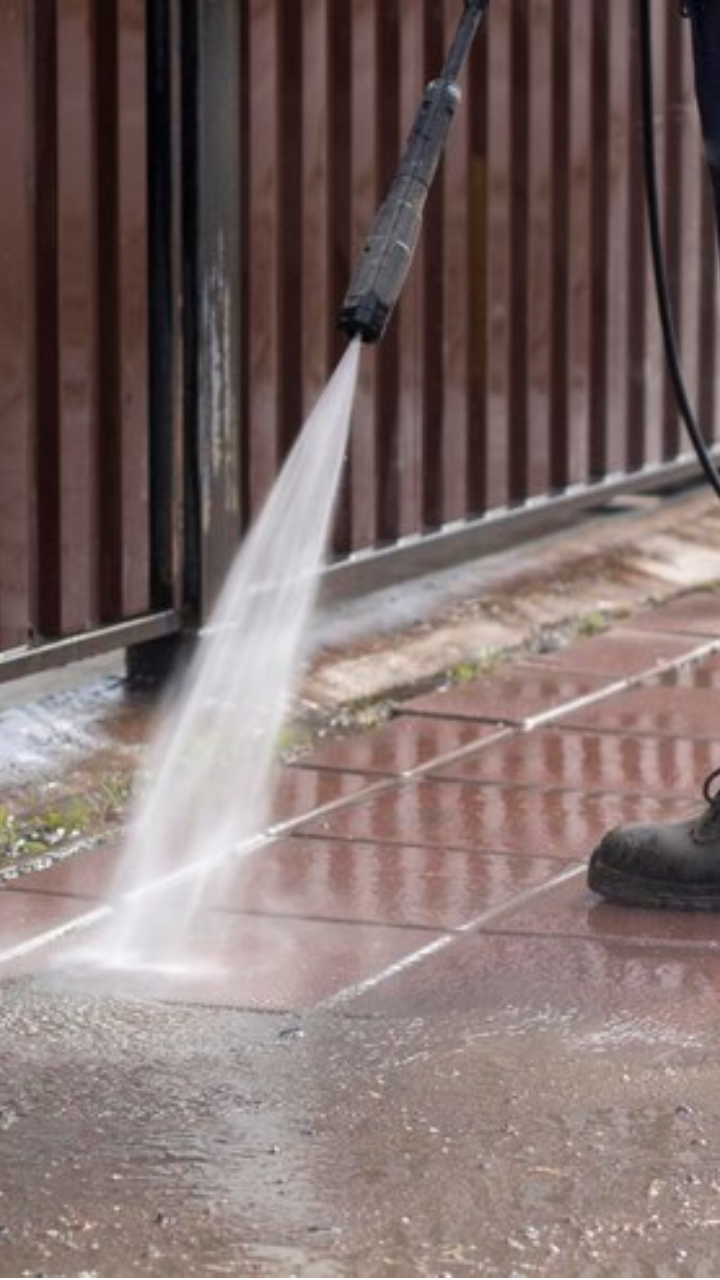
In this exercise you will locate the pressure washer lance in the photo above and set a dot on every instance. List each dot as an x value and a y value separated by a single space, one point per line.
388 251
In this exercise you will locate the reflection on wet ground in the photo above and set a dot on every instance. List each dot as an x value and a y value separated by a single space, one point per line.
415 1044
511 1125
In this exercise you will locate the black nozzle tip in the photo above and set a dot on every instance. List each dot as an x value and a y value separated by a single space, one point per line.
365 318
354 329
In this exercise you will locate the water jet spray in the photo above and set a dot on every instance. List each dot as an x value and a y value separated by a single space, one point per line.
388 251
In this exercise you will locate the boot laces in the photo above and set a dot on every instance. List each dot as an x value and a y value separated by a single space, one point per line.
712 797
711 818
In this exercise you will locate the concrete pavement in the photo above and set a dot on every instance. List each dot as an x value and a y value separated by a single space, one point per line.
422 1047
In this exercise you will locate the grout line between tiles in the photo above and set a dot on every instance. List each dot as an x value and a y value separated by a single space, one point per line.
46 939
352 992
613 940
524 724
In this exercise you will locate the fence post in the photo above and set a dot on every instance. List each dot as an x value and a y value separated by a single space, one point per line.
211 217
194 181
150 661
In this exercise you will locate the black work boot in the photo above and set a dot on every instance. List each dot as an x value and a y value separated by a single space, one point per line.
673 864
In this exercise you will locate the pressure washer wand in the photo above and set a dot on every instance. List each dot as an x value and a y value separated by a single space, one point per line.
386 256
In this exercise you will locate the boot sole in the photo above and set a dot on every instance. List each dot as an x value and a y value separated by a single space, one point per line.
649 893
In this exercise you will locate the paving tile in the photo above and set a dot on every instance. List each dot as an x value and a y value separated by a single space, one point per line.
619 652
401 745
88 875
701 674
25 915
490 819
507 697
570 910
697 613
659 709
588 992
590 762
300 791
375 883
236 961
324 879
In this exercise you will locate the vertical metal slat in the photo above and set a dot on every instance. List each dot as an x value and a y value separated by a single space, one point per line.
16 124
107 268
77 306
132 254
45 373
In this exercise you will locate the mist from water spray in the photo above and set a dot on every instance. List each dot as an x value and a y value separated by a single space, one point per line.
210 765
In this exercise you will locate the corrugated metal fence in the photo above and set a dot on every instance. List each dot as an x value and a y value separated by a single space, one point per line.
523 364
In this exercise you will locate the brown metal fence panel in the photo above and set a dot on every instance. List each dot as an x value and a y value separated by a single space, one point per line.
73 317
202 194
524 361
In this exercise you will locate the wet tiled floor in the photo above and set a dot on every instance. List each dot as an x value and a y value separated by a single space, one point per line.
510 696
403 746
662 711
425 855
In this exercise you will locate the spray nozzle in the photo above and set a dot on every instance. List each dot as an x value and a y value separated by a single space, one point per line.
388 251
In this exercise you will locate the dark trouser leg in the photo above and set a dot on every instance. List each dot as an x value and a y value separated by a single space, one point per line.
705 22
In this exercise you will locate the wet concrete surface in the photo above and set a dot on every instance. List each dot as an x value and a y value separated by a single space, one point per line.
488 1116
408 1040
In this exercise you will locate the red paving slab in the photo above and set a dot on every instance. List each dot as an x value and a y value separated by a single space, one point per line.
620 653
87 875
702 674
497 825
510 696
661 710
643 993
351 881
24 916
589 762
376 883
570 910
490 819
405 743
235 960
304 790
697 613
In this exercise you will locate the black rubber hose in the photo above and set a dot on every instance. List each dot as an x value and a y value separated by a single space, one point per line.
658 259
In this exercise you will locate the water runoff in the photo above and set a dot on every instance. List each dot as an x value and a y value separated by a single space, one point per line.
210 766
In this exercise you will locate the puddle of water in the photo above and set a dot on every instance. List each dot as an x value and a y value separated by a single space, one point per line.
210 765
